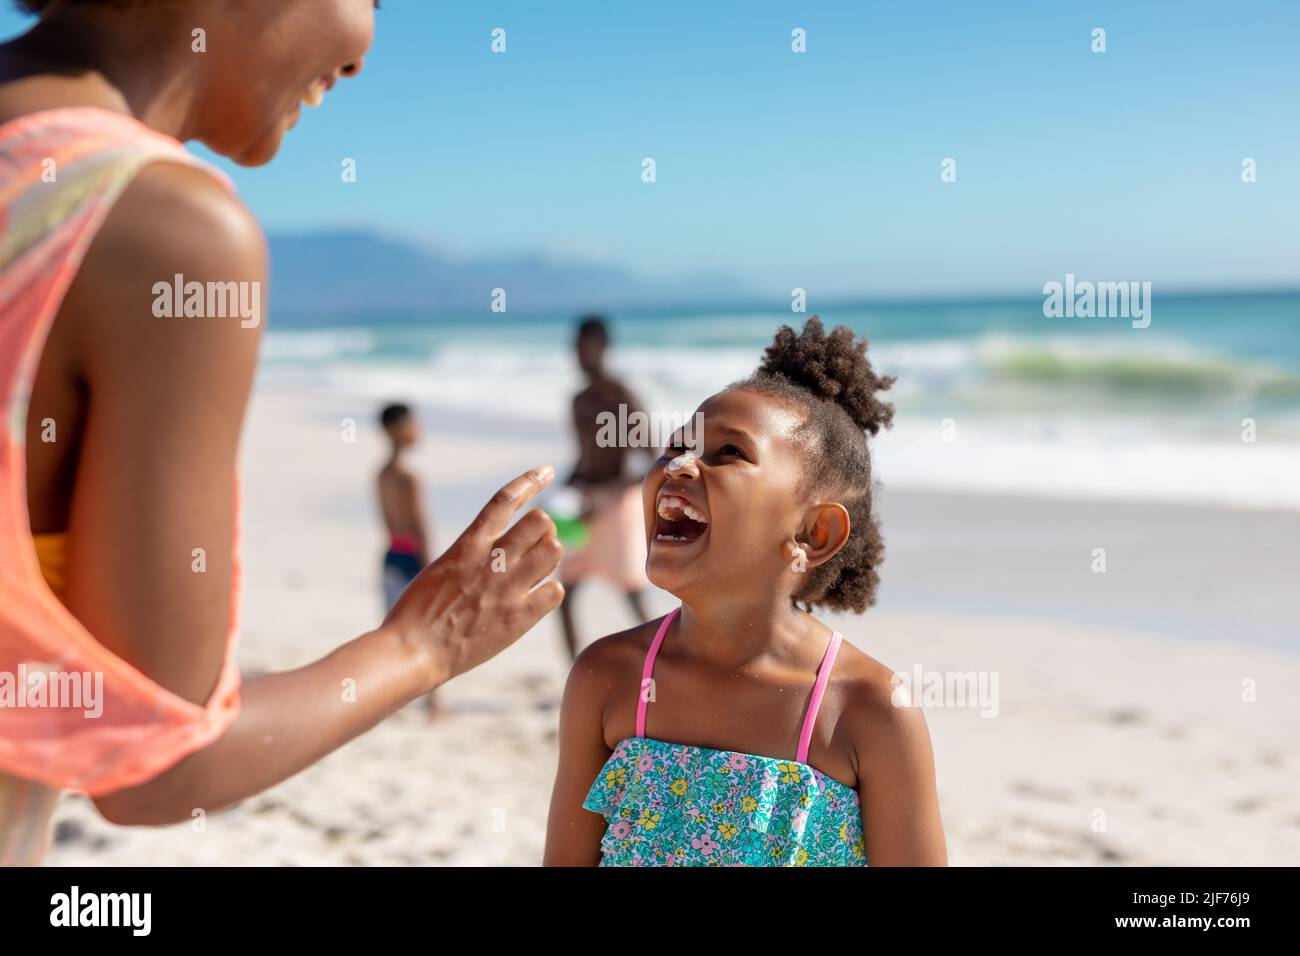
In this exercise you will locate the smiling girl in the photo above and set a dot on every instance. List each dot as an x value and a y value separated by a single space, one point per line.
739 729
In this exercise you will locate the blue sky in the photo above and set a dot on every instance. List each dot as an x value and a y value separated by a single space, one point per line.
822 169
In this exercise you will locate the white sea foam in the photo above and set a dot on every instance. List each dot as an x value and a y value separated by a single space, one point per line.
1081 462
1112 417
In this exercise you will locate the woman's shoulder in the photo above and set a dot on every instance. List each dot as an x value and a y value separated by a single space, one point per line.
178 211
133 302
150 203
174 281
173 226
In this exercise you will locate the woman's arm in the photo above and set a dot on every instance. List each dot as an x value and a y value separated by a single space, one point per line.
572 833
896 788
457 614
154 483
287 721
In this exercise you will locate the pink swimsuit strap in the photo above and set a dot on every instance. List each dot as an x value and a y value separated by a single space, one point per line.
648 669
814 701
818 691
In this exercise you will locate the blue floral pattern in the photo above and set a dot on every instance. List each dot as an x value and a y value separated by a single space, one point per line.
672 805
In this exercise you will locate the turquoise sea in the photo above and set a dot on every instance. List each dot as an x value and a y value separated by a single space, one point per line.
1202 405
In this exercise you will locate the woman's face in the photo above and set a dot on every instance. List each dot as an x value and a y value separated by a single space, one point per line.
721 519
277 56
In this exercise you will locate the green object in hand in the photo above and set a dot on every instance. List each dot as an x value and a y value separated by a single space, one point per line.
571 530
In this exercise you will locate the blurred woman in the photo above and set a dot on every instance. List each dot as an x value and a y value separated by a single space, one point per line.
118 539
607 478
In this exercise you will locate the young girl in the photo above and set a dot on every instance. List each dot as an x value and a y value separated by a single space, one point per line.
739 729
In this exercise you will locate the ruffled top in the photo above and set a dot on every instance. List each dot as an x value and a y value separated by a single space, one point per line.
674 805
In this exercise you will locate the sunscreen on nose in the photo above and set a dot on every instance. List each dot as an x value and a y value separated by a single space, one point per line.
680 461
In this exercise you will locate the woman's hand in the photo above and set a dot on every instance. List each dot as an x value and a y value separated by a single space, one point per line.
474 601
481 595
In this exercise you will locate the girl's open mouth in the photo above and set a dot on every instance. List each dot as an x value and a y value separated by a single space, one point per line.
677 521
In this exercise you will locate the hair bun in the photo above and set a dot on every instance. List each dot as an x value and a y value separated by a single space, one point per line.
833 367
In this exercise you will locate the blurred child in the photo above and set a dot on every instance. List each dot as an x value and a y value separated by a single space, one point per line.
774 744
400 503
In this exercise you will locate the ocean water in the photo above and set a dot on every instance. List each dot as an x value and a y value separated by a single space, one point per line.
1201 406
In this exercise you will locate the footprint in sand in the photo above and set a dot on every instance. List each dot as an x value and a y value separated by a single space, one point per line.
1126 717
1053 841
1106 788
73 831
1103 850
480 707
1037 791
1270 758
1246 805
1168 815
266 805
533 682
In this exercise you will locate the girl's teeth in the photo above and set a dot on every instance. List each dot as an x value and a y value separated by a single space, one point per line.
669 502
314 96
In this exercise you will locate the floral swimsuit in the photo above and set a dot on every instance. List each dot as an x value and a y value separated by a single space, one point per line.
672 805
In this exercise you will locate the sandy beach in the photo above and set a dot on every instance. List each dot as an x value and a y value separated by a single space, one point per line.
1144 715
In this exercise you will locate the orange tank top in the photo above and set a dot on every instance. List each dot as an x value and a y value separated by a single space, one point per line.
73 715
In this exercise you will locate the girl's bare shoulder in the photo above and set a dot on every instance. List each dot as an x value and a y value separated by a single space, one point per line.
867 681
605 671
874 703
618 655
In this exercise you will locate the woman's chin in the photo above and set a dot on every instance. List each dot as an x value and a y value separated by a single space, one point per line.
260 151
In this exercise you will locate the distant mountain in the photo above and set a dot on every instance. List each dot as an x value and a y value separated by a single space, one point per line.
349 276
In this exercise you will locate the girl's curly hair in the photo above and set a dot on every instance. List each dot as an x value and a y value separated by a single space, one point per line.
830 379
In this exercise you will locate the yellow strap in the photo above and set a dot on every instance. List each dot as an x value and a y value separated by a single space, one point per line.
52 553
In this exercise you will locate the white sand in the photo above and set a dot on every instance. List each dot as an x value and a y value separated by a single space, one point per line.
1111 745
